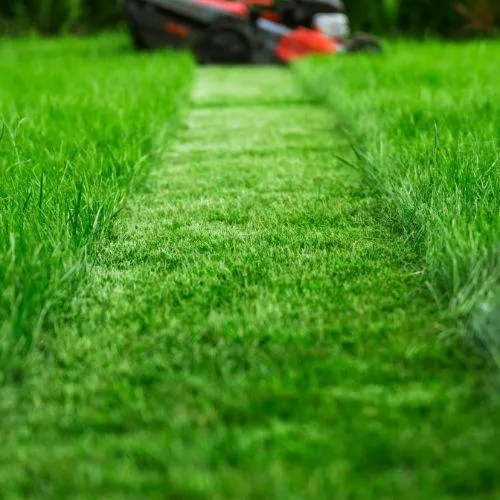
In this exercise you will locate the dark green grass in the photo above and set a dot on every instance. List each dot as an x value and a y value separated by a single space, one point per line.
250 330
79 120
425 121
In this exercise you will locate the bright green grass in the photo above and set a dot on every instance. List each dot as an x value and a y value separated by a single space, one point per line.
79 120
425 119
251 330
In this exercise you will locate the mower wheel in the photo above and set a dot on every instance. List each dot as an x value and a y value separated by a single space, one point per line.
362 42
227 41
137 39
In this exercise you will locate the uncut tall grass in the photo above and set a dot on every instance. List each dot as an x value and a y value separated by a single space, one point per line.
80 121
424 120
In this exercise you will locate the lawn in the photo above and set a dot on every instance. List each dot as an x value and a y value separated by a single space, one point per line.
425 123
253 319
79 121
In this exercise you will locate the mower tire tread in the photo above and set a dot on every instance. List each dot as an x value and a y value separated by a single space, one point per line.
228 41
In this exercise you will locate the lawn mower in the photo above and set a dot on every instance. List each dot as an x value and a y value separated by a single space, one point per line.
239 32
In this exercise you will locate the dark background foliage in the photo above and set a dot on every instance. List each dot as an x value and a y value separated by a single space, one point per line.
449 18
58 16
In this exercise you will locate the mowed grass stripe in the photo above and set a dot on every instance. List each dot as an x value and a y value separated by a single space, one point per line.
251 330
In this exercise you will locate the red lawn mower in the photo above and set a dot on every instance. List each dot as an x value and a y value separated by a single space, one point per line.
238 32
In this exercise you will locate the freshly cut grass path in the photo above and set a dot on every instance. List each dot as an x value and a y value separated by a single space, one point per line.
251 330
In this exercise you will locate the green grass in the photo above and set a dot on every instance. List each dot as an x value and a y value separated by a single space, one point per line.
80 120
425 122
250 329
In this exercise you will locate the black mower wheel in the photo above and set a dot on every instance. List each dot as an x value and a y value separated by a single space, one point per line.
137 39
362 42
226 42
